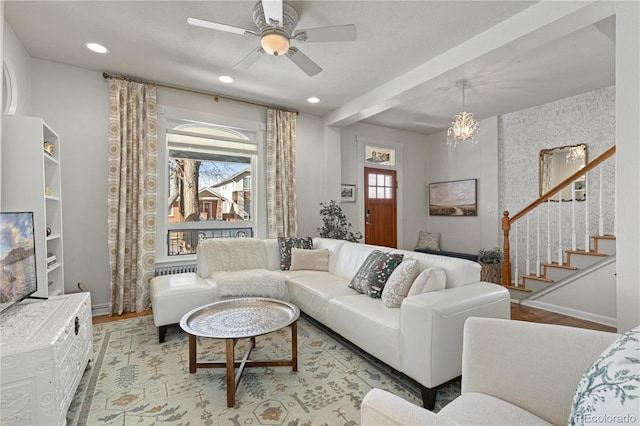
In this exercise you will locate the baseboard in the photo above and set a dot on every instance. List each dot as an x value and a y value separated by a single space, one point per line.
98 310
587 316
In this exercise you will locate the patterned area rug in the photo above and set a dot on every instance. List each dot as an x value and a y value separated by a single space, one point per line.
133 380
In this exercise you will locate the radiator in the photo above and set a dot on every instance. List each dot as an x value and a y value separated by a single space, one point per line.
170 270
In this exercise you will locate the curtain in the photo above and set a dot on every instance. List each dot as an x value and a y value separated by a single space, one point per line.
281 174
131 198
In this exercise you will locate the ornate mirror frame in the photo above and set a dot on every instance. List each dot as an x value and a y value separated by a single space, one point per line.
556 164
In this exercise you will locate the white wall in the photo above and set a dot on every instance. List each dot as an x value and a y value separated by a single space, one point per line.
412 199
18 58
597 301
467 234
628 161
75 102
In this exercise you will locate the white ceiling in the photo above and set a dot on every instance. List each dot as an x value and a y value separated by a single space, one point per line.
151 40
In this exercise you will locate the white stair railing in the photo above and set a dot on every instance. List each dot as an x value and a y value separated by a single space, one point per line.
580 209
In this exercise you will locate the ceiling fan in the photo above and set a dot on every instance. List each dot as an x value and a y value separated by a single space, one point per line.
276 22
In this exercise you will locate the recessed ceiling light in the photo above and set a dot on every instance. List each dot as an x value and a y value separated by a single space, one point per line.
313 100
225 79
96 47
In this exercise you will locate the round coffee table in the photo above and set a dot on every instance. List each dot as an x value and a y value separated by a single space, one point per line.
235 319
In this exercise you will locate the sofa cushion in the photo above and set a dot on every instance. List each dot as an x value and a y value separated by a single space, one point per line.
374 273
479 409
459 271
428 240
351 256
314 260
285 245
311 291
399 283
230 254
369 324
431 279
251 283
610 387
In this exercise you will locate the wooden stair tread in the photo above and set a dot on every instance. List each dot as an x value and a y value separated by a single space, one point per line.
555 265
588 253
604 237
537 278
513 287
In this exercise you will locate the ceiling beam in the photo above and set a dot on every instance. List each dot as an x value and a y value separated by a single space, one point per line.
533 27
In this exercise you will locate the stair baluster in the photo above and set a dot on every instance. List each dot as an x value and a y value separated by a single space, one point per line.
560 252
513 281
600 216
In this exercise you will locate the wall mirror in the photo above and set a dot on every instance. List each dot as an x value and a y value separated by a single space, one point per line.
557 164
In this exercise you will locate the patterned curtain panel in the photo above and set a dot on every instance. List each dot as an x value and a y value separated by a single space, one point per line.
132 194
281 174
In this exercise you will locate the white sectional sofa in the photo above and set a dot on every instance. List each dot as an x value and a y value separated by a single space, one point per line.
422 338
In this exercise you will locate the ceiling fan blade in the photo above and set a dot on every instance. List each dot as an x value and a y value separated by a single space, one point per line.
337 33
272 12
220 27
303 61
250 59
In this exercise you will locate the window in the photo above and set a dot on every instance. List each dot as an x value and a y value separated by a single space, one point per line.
208 188
380 186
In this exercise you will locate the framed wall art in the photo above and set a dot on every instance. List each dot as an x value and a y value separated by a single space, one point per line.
453 198
348 193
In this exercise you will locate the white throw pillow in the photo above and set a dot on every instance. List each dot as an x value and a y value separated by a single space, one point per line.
399 283
429 240
608 391
313 260
431 279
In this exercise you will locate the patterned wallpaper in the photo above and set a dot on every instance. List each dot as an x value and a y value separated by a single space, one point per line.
587 118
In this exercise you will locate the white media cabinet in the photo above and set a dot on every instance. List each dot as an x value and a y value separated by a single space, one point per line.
45 346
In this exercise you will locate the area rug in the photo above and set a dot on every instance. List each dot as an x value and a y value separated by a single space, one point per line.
134 380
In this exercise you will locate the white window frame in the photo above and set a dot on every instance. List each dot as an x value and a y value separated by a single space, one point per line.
256 131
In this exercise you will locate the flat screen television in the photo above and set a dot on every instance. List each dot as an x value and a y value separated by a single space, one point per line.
17 258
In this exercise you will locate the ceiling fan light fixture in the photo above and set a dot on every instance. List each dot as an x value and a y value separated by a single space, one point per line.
275 44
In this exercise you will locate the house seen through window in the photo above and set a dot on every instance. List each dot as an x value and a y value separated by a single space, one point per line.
209 185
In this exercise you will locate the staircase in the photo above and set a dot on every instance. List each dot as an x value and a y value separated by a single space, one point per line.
546 235
604 246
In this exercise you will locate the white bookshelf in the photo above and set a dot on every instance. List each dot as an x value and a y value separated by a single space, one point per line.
31 181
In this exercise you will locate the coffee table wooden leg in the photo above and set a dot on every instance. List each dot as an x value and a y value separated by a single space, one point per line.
192 353
231 383
294 346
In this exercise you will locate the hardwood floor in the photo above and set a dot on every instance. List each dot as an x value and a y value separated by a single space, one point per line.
526 313
518 312
107 318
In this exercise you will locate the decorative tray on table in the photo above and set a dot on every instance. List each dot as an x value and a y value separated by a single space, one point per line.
239 318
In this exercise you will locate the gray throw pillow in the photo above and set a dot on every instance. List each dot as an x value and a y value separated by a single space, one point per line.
374 273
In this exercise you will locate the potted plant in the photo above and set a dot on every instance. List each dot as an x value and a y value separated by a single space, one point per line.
491 263
334 223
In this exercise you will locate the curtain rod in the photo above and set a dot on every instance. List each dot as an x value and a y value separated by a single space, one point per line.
198 92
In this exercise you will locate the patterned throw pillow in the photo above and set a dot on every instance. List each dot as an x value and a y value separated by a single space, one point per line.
431 279
374 273
285 244
609 390
399 283
429 240
311 260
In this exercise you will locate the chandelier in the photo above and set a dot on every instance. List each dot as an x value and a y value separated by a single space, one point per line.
575 154
464 127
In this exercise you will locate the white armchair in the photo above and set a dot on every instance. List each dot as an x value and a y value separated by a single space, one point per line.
513 373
